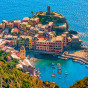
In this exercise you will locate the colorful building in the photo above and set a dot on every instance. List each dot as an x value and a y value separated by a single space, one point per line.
26 19
17 23
20 42
24 25
50 26
64 40
22 52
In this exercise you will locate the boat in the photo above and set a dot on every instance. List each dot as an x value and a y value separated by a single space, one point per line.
59 71
55 55
52 82
58 64
79 61
53 74
59 77
59 56
53 64
64 58
66 73
59 67
75 60
87 66
82 63
53 67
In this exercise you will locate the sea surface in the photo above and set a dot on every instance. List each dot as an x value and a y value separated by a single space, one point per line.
75 11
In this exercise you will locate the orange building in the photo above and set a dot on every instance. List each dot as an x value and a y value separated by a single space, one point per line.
22 52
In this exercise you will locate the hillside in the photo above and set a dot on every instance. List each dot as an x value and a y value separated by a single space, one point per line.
81 83
10 77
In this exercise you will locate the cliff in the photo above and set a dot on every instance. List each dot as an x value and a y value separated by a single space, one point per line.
11 77
81 83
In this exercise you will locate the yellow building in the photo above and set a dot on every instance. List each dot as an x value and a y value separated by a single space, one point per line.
24 25
22 52
30 23
30 43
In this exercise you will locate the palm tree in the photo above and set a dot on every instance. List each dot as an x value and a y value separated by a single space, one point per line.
32 13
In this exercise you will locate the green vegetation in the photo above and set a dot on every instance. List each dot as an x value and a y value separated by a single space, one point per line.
32 13
81 83
10 77
44 19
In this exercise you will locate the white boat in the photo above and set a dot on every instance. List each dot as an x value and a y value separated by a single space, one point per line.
53 64
87 66
64 58
59 56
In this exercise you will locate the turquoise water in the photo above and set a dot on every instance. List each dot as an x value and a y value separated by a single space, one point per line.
75 70
75 11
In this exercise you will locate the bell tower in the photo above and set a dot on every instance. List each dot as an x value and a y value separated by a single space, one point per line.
22 52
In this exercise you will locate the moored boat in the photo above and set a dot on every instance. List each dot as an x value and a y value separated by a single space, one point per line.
87 66
66 73
58 64
59 56
59 77
53 64
53 74
64 58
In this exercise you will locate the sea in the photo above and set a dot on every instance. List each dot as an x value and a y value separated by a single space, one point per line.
76 12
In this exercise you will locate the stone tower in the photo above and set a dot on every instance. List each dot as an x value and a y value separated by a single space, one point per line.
48 10
22 52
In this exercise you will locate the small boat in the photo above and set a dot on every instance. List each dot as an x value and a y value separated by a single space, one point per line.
79 61
55 55
59 77
58 64
53 74
53 67
59 56
75 60
82 63
53 64
66 73
59 67
53 82
59 71
87 66
64 58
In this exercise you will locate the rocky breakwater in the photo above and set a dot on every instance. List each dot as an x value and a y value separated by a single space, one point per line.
81 56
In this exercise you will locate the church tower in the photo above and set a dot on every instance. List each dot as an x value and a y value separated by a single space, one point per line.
22 52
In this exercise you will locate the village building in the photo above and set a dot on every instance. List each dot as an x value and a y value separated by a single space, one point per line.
22 52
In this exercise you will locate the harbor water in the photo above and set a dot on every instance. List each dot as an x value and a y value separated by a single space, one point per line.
76 12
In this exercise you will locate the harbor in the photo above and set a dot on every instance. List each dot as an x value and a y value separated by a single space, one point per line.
60 71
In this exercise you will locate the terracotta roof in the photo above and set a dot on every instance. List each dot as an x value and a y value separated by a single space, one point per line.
16 30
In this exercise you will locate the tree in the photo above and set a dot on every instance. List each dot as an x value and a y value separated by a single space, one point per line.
32 13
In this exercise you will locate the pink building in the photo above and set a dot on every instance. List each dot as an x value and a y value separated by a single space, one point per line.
26 19
36 21
64 40
2 25
54 45
17 23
